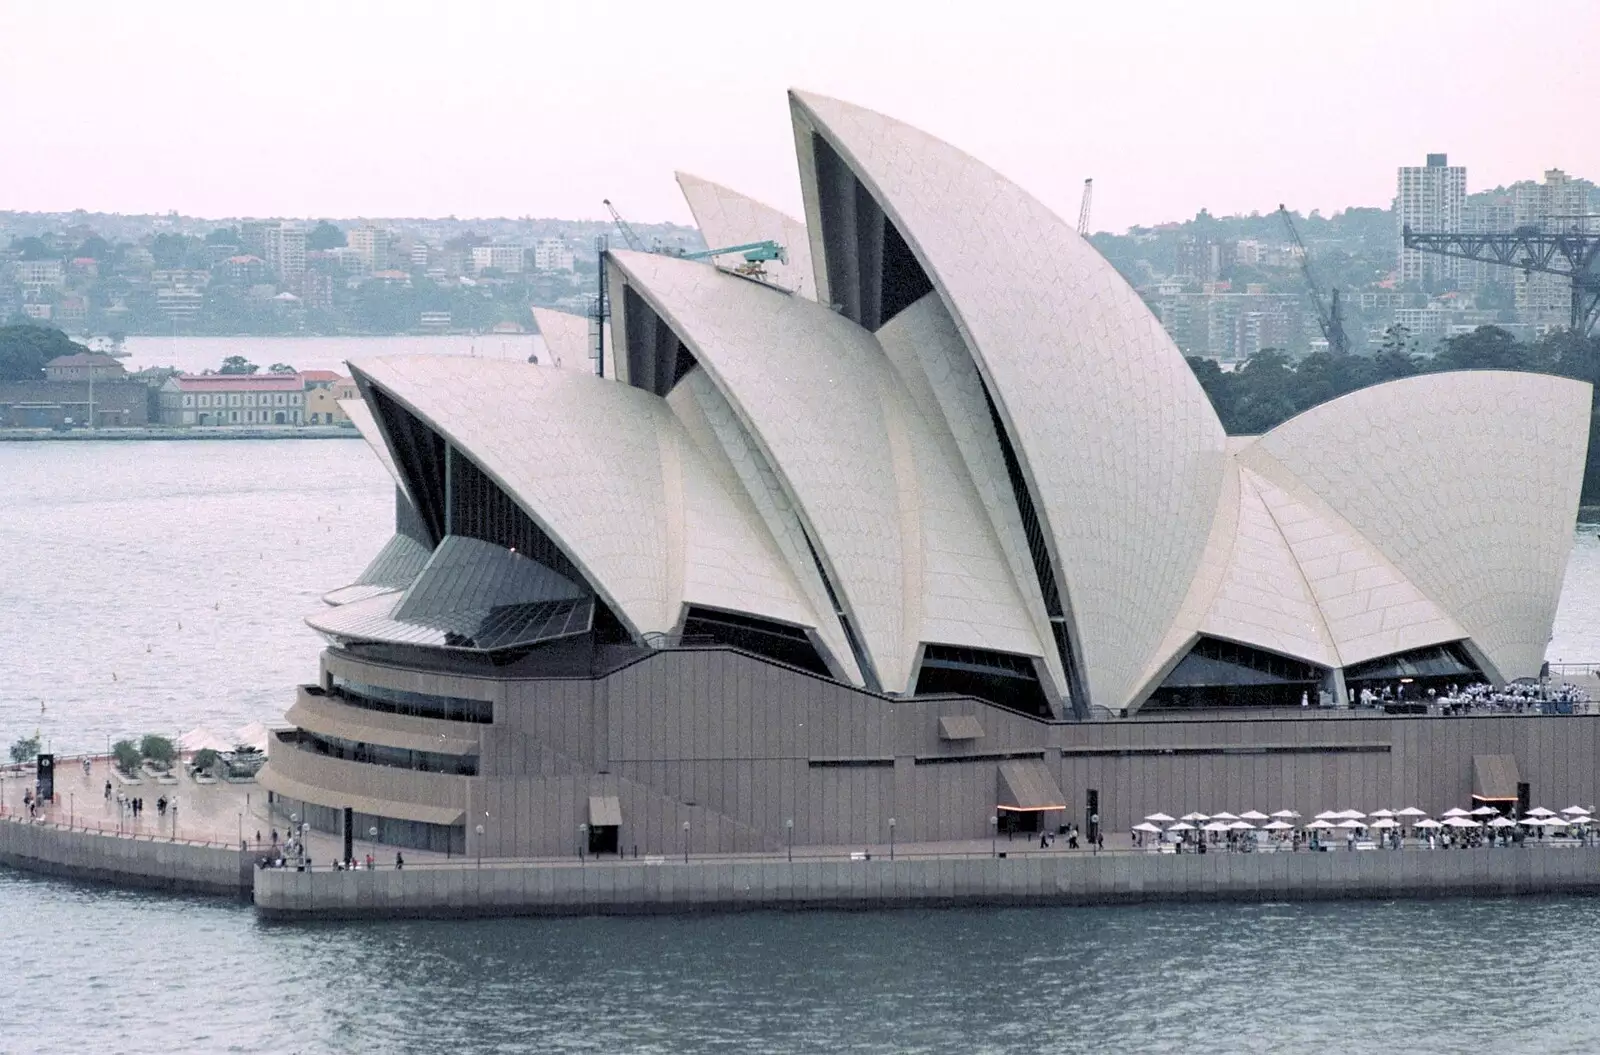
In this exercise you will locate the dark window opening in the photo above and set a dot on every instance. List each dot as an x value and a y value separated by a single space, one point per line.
382 755
480 509
1017 822
1003 679
857 649
608 629
1433 667
1039 551
392 831
407 521
657 360
412 704
1225 674
419 453
872 273
903 280
785 644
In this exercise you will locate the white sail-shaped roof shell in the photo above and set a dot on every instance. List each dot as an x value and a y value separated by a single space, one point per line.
898 526
727 218
360 416
610 475
569 339
1120 446
1467 483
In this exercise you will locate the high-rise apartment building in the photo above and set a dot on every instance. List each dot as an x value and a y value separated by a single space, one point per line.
1560 203
1429 198
552 254
371 245
285 252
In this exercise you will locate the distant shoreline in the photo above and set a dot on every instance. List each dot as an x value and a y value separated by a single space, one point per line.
209 432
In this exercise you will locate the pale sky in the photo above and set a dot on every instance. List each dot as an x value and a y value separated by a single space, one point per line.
534 108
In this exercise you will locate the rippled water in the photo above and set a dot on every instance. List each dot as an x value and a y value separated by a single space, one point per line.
106 548
123 971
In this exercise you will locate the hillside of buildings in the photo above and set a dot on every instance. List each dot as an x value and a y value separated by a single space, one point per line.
103 273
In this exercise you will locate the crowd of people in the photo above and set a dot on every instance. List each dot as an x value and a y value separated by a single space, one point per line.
1252 832
1483 698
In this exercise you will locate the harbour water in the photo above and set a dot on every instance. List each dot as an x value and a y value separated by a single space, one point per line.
159 586
194 354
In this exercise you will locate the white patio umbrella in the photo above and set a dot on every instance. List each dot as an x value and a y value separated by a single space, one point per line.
1455 811
1181 826
1224 816
1556 822
1576 811
1194 817
1502 822
1381 813
1328 815
1215 826
1412 811
1146 826
1286 815
1278 826
1320 823
1241 825
1428 822
1160 818
1531 822
1540 811
1350 822
1384 822
1352 815
1252 815
1462 822
1485 811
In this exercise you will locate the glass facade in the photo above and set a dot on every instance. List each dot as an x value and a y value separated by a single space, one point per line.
786 644
1008 680
392 831
382 755
1225 674
414 704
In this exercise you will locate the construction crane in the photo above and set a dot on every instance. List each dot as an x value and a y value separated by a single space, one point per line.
1574 255
1330 314
1083 207
633 240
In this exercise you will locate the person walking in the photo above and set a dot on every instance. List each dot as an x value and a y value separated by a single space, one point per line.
399 861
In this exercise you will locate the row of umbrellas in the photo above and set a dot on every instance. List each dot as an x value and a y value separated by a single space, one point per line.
1281 820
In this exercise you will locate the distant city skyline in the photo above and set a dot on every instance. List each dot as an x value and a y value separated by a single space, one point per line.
512 110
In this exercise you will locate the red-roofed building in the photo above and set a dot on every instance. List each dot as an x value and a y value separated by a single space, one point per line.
233 399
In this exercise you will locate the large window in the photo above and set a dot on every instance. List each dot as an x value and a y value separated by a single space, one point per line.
413 704
1002 678
382 755
1225 674
392 831
786 644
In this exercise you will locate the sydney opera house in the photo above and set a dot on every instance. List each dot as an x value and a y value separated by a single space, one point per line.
928 520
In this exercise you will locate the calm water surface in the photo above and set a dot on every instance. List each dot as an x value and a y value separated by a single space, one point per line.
159 586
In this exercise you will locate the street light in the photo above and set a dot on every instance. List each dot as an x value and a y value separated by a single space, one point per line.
891 838
789 824
479 841
685 842
372 834
994 829
583 840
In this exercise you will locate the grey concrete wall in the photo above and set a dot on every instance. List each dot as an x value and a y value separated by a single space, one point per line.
137 862
758 744
711 885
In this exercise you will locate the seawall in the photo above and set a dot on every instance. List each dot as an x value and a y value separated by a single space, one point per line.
636 887
208 432
150 863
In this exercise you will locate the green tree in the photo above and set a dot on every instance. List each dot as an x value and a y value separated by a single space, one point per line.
94 247
223 236
32 248
281 368
205 760
24 349
25 749
125 753
237 364
170 250
158 749
325 236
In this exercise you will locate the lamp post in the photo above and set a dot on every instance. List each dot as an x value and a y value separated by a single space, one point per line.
685 842
789 825
479 841
72 811
994 831
583 839
372 834
305 831
174 818
891 838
